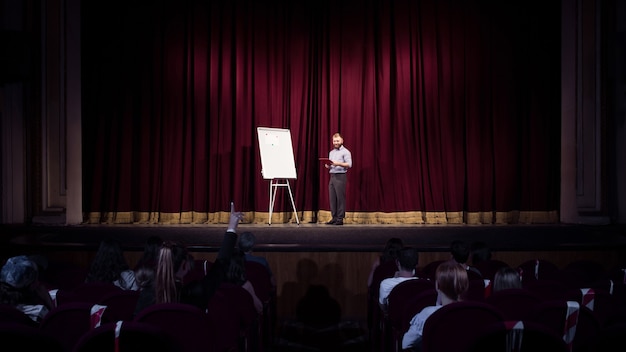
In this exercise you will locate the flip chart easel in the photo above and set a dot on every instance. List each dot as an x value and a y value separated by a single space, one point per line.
274 184
277 163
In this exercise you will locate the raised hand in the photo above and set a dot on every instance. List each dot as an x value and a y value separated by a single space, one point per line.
235 217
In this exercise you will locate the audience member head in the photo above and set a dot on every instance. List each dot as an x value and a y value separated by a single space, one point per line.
392 249
506 277
144 275
18 273
460 251
247 240
173 263
408 258
480 252
451 280
108 263
150 252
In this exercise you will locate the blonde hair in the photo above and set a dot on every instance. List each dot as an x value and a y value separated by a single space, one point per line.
171 257
165 280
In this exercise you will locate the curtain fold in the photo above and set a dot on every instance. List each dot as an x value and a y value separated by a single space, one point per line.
450 109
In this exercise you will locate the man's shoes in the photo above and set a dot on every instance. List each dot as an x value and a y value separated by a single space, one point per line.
331 222
339 222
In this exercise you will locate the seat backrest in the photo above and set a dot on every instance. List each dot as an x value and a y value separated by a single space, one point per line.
414 305
90 292
375 317
514 303
199 271
518 336
384 270
259 277
401 293
68 322
488 268
585 272
536 269
20 337
547 289
120 305
131 336
233 320
553 314
429 270
63 275
570 278
473 275
476 290
453 326
606 307
185 324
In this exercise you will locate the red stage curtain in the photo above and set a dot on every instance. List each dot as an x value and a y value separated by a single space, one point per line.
451 108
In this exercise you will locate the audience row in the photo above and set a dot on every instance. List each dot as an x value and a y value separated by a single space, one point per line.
158 278
407 295
165 274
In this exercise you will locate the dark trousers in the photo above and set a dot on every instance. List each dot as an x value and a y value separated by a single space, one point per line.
337 195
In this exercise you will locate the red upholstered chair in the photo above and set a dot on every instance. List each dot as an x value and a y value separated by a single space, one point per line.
375 318
63 275
583 272
120 305
259 277
519 336
90 292
410 308
20 337
383 271
428 271
547 289
477 290
68 322
454 326
187 325
200 268
473 275
514 303
125 336
414 305
603 299
233 320
536 269
398 296
553 314
488 268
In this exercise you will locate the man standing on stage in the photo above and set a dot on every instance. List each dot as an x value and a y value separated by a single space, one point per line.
340 161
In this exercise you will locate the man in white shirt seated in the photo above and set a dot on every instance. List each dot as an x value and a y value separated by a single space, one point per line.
406 262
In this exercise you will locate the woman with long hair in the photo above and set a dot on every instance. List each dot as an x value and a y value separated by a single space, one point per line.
110 266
